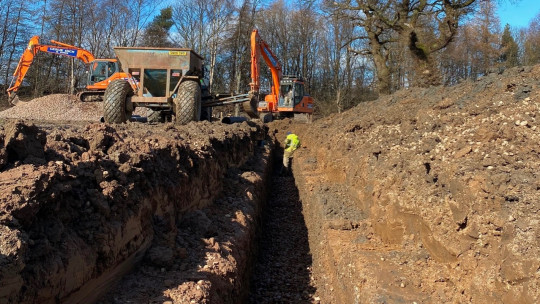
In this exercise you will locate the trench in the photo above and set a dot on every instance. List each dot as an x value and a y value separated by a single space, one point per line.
282 272
87 205
105 214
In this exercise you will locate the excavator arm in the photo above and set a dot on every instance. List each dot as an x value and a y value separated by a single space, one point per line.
260 48
30 52
287 98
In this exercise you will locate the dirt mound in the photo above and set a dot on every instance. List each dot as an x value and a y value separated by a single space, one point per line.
427 195
79 206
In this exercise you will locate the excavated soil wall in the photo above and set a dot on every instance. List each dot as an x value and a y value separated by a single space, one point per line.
428 195
79 206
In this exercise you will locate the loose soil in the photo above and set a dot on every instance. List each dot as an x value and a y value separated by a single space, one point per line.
426 196
80 206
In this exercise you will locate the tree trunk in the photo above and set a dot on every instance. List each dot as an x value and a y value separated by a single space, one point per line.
426 71
72 88
383 72
338 100
14 42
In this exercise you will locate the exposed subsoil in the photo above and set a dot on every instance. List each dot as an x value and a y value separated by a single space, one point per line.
426 196
81 206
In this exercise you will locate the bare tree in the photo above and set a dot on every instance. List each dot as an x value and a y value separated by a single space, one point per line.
424 27
219 13
202 25
531 42
239 44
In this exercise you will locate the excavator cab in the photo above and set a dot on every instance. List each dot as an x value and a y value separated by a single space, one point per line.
101 70
100 73
291 92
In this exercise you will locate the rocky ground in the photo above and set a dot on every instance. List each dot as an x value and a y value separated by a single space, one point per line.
423 196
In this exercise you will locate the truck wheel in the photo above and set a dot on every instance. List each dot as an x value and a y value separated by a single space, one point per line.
187 104
154 116
116 106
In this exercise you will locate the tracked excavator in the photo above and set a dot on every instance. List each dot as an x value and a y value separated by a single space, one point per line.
100 71
287 97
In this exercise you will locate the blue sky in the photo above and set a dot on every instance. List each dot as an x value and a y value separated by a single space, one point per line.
518 14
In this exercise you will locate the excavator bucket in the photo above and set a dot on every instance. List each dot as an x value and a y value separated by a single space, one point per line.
250 106
13 99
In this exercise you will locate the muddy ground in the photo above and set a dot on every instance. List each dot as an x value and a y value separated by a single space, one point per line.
426 196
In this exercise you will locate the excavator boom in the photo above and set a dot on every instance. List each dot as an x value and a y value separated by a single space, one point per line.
30 52
260 48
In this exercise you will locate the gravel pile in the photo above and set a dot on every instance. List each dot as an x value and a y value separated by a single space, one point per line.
60 107
55 107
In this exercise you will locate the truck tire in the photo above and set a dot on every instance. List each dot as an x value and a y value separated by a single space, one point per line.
187 103
116 106
154 116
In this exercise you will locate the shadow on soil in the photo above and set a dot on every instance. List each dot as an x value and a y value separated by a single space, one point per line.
282 268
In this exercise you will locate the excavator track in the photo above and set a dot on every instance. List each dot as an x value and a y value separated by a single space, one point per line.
90 96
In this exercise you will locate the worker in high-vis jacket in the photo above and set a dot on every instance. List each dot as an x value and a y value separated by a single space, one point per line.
291 144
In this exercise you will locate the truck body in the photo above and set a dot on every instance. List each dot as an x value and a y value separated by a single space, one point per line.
167 81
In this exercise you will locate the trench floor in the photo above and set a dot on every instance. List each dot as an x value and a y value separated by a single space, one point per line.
282 271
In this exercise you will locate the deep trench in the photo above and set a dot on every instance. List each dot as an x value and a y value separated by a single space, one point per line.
282 270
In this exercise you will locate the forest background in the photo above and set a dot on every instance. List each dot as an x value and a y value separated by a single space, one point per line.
346 51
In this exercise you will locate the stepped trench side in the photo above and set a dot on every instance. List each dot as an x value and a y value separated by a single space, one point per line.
80 207
383 233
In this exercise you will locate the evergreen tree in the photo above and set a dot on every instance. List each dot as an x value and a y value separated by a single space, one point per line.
157 32
510 51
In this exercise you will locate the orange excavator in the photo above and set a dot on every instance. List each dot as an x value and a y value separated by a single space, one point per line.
287 97
101 71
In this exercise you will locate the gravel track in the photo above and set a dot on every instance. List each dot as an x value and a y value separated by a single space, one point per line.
55 107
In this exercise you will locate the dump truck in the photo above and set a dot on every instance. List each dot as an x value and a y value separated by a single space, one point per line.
169 82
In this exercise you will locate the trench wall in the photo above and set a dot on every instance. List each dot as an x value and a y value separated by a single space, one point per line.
81 206
427 201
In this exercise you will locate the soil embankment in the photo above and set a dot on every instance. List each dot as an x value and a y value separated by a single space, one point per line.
79 206
427 195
